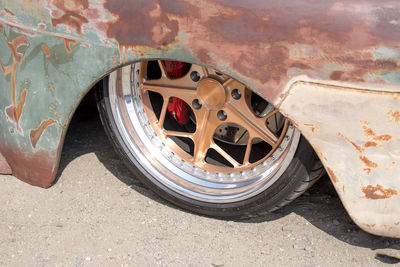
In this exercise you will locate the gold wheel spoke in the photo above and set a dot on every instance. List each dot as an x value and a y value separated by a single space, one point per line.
178 134
186 94
163 114
225 155
203 136
256 126
228 81
246 159
162 68
205 71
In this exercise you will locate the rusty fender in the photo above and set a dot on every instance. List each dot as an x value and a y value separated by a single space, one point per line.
52 52
356 134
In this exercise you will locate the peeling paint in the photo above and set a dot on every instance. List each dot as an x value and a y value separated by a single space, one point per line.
359 148
394 115
46 50
35 134
332 175
311 126
370 133
370 144
367 170
378 192
368 162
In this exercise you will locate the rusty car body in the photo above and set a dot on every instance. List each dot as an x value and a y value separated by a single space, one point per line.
331 66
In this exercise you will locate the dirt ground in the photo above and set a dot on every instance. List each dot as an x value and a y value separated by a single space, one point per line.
98 214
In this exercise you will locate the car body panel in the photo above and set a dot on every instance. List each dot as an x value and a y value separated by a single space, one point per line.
331 66
355 133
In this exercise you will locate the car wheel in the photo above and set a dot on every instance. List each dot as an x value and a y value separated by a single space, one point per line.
203 140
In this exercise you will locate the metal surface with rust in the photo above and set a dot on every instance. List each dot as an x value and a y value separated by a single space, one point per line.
53 51
356 135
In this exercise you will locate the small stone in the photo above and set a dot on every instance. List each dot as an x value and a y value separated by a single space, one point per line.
308 248
109 250
336 222
217 264
88 259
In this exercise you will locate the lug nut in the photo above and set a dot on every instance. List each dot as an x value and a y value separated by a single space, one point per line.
221 115
196 104
236 94
195 76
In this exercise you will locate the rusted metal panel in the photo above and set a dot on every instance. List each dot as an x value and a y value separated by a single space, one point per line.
53 51
357 138
4 167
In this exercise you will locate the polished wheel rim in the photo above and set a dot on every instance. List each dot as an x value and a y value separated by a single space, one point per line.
229 150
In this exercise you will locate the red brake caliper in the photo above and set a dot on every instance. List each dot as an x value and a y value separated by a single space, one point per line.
176 106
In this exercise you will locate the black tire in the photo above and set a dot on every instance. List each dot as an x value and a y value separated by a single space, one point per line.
303 170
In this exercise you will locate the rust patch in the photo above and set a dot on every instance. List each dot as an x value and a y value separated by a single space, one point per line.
4 167
311 126
68 43
332 175
14 112
370 133
37 169
70 13
359 148
46 50
370 144
147 19
336 75
21 103
10 111
394 115
378 192
368 162
36 134
265 42
15 44
367 170
6 69
9 11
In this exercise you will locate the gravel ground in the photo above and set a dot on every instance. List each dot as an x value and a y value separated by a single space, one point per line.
98 214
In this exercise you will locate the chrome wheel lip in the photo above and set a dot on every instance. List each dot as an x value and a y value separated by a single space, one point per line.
176 174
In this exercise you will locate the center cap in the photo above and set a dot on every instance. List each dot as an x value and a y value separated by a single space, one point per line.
211 92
